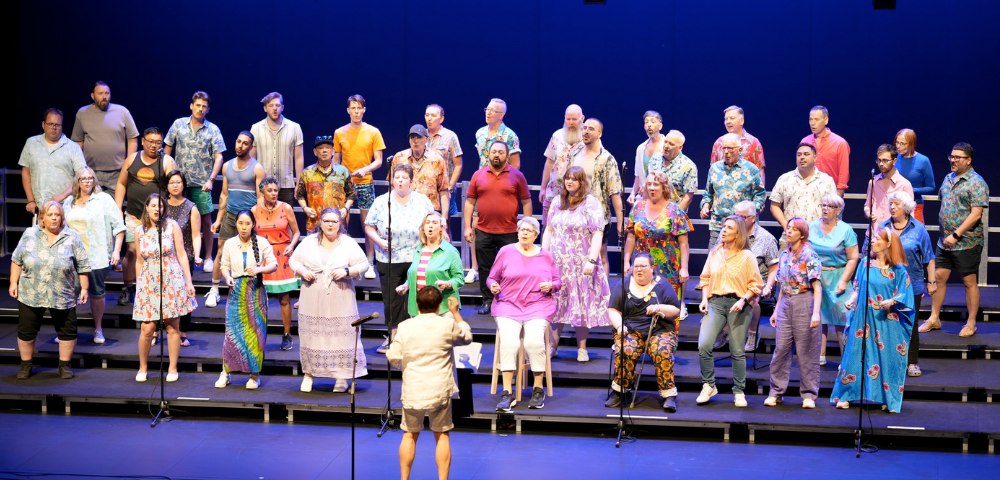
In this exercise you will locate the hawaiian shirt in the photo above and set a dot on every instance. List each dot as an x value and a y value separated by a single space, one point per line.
658 237
802 198
918 248
49 271
797 272
642 161
959 193
446 143
484 140
52 169
97 223
750 149
430 175
406 221
195 150
764 248
606 182
683 174
324 190
727 186
561 154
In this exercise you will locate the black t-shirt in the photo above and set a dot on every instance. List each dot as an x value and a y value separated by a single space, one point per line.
634 312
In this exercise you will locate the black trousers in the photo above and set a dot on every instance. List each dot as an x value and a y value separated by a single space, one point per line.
487 246
395 312
287 195
30 322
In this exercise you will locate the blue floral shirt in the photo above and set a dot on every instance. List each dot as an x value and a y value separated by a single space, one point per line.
406 220
484 140
195 150
96 222
918 248
52 169
959 193
727 186
48 272
795 275
682 171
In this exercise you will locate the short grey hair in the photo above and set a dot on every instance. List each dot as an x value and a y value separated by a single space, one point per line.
678 134
746 206
531 222
731 137
833 199
905 201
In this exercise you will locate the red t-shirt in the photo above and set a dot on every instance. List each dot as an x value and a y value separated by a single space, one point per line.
497 198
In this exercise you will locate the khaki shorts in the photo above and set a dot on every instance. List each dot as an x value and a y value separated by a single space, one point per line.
228 228
413 419
131 223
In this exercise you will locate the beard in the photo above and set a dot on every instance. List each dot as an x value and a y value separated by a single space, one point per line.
571 135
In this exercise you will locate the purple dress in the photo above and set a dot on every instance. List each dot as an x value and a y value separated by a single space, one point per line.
582 300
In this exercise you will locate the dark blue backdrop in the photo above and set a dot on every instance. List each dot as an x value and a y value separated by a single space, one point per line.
929 65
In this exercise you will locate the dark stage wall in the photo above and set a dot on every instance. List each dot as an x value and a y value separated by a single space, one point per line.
929 65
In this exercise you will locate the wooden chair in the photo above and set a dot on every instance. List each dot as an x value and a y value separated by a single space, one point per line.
523 365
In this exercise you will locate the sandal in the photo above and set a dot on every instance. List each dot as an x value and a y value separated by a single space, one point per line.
185 342
929 325
967 331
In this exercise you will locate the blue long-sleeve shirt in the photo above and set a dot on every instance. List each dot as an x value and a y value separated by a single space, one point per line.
918 171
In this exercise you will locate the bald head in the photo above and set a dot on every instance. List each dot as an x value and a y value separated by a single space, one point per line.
571 124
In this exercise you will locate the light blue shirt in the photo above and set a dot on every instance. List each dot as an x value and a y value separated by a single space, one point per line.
832 248
51 171
195 150
406 221
48 272
96 222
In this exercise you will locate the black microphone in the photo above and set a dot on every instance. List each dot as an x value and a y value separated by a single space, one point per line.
364 319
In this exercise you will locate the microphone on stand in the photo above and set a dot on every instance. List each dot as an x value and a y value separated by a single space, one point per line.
364 319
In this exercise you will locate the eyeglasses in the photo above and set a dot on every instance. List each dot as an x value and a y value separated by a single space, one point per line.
527 230
747 217
884 160
151 142
52 125
901 144
331 220
957 157
86 179
492 110
828 206
730 148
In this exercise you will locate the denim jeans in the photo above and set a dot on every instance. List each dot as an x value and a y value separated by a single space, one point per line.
718 316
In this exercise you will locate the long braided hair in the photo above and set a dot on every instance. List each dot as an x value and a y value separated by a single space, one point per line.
253 241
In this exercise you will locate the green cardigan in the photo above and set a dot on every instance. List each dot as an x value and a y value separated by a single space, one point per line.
445 264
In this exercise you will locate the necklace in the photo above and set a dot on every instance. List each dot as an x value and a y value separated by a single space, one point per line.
270 209
900 229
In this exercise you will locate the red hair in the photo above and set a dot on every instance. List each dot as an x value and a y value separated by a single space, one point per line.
909 136
894 248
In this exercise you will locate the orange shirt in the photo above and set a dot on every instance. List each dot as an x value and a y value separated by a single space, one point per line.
357 146
738 274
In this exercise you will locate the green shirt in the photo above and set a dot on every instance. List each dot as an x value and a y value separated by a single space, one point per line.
445 264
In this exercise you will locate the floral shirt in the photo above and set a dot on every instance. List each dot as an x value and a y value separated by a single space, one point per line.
764 248
682 171
484 140
561 154
959 193
658 237
797 272
606 181
96 222
727 186
52 166
195 150
750 149
430 174
446 143
324 190
802 198
49 271
406 221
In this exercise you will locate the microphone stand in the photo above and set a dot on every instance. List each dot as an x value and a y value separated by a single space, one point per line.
387 414
862 406
354 372
621 337
160 325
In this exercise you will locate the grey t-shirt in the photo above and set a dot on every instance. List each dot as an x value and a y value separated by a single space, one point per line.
104 135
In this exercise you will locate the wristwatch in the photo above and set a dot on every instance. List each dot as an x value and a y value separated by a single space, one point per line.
347 270
956 236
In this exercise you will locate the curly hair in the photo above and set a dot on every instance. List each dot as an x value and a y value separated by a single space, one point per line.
570 202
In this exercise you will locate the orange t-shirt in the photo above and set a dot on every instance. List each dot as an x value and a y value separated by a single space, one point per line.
357 146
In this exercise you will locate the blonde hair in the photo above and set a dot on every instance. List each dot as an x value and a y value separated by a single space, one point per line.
742 233
77 191
47 206
423 236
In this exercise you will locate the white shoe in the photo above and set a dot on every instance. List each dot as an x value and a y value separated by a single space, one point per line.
740 399
472 276
252 383
172 377
307 384
581 355
808 403
370 273
208 266
222 381
98 337
822 360
340 386
684 312
771 401
140 377
212 297
384 347
751 344
707 392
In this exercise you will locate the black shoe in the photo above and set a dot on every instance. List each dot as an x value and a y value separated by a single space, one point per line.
616 400
25 371
126 297
537 398
507 402
484 310
65 371
286 341
670 404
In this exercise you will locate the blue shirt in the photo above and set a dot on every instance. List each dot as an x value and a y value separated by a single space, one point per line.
918 171
919 250
97 222
832 248
195 150
52 169
727 186
48 271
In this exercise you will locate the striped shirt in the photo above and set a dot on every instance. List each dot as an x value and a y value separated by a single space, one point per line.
425 258
242 186
276 150
737 274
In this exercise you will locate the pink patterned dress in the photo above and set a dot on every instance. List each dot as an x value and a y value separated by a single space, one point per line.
176 301
583 299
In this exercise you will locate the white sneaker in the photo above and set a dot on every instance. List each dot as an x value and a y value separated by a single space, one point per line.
222 381
307 384
472 276
140 377
808 403
822 360
771 401
384 347
212 297
340 386
98 337
740 399
751 342
252 383
707 392
581 355
370 273
684 312
208 266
